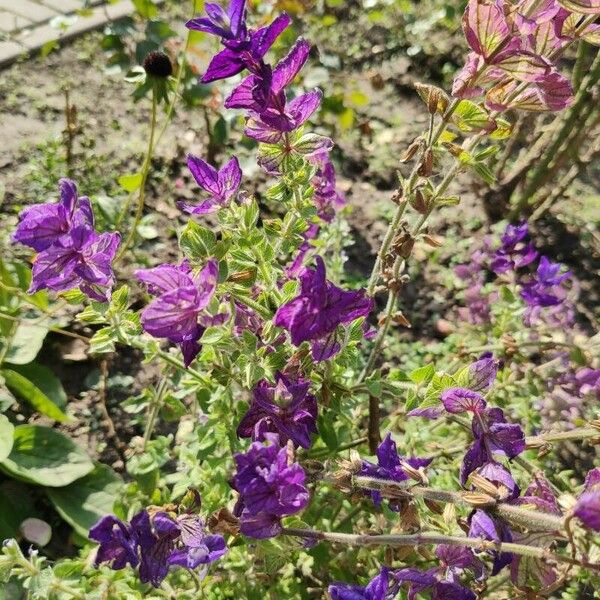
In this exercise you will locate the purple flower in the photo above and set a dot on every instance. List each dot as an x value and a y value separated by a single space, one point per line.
443 580
482 373
493 436
544 290
326 197
285 408
482 525
315 314
390 466
514 252
587 508
222 185
377 589
42 225
244 49
229 24
539 494
265 89
155 543
118 543
175 314
269 488
81 259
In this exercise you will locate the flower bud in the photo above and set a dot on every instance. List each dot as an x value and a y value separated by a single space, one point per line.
158 64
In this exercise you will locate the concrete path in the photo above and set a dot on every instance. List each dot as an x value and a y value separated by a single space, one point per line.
28 25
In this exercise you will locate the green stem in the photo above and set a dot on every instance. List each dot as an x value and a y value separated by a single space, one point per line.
154 410
142 190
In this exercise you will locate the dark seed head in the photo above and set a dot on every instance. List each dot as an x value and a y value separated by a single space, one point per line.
158 64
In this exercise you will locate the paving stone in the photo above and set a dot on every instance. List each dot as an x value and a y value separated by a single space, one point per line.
9 51
36 13
11 22
64 6
35 35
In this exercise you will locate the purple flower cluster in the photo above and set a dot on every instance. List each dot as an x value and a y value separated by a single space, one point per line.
390 466
71 254
319 309
269 488
377 589
512 44
155 542
271 117
541 290
178 311
514 251
285 408
442 581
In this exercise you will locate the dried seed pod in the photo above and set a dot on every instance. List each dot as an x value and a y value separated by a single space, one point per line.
478 499
400 319
436 99
412 150
426 166
431 241
419 202
223 521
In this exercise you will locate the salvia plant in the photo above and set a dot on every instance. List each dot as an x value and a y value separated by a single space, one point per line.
306 466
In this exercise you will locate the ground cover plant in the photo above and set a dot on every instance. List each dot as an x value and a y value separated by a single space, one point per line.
290 440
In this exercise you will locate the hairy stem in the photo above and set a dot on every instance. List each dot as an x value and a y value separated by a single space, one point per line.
431 537
142 189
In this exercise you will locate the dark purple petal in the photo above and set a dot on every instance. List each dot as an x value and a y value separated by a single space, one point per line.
286 69
264 38
206 175
587 509
458 400
226 63
118 545
482 373
497 474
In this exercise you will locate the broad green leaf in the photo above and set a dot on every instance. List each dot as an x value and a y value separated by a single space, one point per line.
29 391
422 374
196 241
16 505
44 456
44 379
85 501
26 343
130 183
7 430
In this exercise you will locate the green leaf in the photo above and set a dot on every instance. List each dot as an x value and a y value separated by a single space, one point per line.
212 335
7 430
130 183
30 391
45 380
26 343
103 341
85 501
17 505
422 374
469 116
197 241
44 456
